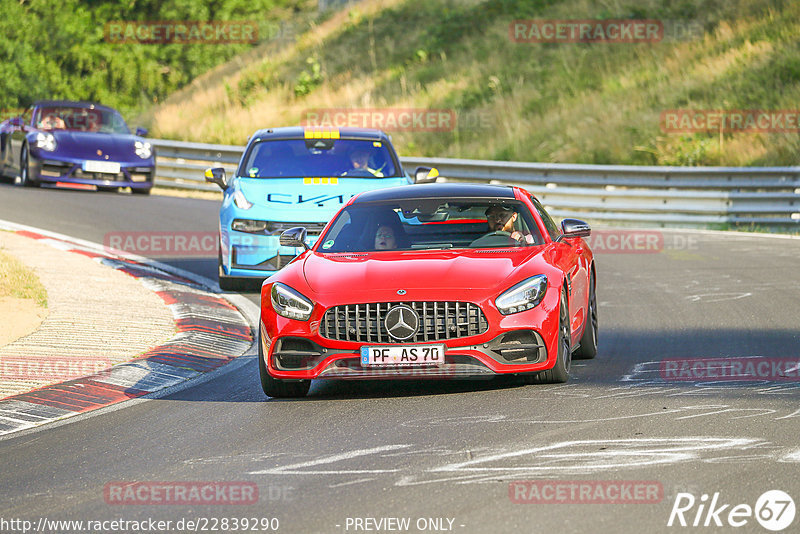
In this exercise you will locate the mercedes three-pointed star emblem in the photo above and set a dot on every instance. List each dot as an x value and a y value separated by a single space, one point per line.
401 322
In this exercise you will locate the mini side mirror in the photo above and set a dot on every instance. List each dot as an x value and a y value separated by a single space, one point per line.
217 176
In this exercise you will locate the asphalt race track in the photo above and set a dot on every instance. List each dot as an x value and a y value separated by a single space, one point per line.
442 455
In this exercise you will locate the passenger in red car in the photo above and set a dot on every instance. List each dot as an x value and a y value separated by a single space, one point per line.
385 238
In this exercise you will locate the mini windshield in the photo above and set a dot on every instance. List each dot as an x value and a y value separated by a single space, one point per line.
319 157
431 224
80 119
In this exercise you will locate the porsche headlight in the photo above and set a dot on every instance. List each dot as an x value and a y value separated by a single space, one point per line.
46 141
289 303
241 201
143 149
523 296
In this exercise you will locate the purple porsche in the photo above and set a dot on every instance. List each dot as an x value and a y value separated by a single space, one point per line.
76 144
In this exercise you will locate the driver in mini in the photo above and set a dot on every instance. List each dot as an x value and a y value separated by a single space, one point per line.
360 161
501 218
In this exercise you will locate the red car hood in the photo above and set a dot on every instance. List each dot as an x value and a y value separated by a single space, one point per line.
373 273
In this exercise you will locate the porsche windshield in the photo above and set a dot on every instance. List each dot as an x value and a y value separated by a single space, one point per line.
431 224
319 157
80 119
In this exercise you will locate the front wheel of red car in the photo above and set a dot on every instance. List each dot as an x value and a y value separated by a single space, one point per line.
559 373
275 387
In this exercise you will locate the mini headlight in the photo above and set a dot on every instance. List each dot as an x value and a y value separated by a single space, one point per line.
46 141
248 225
143 149
241 201
289 303
523 296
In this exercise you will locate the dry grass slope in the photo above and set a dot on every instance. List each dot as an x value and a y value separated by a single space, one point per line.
589 103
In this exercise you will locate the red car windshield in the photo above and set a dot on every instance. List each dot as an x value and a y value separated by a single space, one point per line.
431 224
80 119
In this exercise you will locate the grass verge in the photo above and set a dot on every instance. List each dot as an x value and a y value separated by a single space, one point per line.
19 281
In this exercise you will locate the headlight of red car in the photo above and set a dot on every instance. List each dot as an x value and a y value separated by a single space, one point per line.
523 296
289 303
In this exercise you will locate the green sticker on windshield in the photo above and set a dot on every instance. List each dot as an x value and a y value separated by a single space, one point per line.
253 172
328 244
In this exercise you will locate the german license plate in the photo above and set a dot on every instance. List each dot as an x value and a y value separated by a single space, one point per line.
108 167
402 355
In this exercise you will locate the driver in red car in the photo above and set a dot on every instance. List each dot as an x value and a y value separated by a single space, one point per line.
502 218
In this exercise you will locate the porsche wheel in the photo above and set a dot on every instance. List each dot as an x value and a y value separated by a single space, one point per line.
588 344
274 387
25 171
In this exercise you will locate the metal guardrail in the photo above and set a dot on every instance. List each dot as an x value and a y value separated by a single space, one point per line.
668 196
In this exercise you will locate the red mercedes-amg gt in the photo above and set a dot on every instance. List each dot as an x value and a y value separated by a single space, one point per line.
431 281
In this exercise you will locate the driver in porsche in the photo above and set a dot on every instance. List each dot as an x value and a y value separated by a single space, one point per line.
501 218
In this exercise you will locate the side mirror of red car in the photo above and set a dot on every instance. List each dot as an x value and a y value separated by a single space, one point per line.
294 237
575 228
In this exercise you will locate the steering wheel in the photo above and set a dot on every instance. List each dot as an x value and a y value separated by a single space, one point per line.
494 238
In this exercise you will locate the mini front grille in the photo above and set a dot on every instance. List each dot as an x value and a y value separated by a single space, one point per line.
364 323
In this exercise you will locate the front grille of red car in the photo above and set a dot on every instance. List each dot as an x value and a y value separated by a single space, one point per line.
364 323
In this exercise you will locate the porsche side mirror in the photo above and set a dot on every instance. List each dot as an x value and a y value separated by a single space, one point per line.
575 228
425 175
141 132
16 121
216 175
294 237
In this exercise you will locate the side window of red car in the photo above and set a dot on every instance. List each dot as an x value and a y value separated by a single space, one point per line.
549 223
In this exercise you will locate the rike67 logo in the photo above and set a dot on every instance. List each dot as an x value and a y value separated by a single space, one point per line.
774 510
